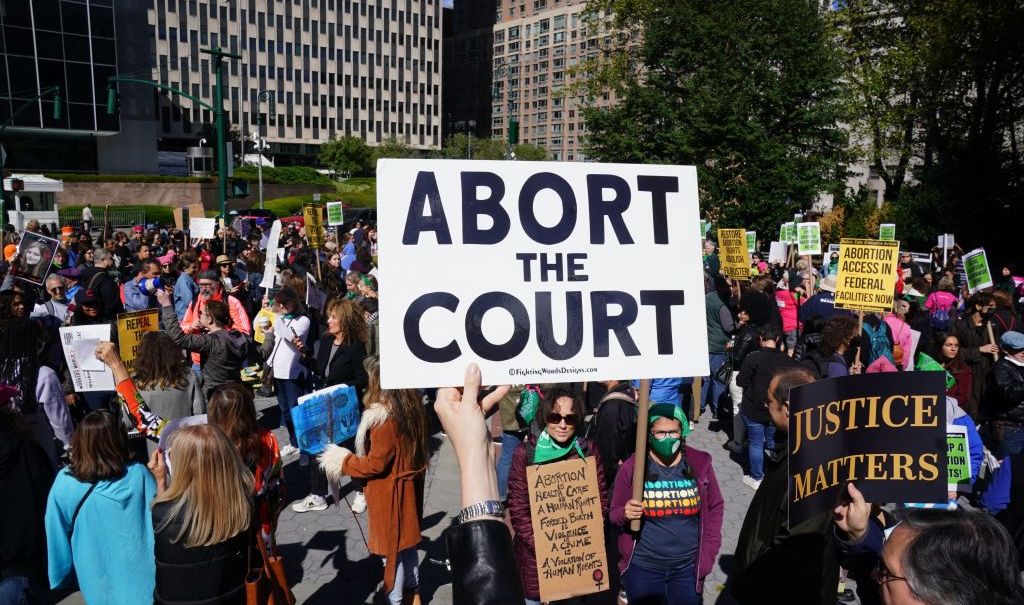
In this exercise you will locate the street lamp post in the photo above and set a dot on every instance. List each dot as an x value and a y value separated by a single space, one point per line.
55 91
260 144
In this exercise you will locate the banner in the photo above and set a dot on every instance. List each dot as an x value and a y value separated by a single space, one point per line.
87 372
329 415
884 432
538 249
131 327
568 528
335 214
202 228
313 221
976 267
808 239
732 252
867 274
751 242
887 232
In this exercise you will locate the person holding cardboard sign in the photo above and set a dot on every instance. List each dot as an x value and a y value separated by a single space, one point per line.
682 511
561 412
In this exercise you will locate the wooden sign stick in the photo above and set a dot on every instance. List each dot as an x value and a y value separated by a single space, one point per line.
860 330
640 457
991 339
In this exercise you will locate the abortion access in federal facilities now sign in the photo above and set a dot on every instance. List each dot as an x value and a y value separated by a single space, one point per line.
538 271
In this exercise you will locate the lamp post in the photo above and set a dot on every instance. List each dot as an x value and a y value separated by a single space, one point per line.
259 144
504 70
55 91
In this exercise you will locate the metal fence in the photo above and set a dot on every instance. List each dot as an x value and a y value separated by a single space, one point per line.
118 217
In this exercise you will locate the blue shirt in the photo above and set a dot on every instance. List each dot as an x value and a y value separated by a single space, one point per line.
670 533
185 291
135 299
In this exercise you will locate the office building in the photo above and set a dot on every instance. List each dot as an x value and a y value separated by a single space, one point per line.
536 45
468 48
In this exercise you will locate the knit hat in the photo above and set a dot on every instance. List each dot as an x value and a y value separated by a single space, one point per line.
9 251
757 306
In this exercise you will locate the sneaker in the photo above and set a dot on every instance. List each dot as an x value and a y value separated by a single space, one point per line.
736 448
303 459
288 450
312 502
751 482
359 503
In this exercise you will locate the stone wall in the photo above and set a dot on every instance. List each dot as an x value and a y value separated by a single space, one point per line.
173 194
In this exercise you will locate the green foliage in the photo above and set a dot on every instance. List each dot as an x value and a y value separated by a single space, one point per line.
127 178
749 91
163 215
287 206
347 155
392 148
528 152
359 191
284 175
462 147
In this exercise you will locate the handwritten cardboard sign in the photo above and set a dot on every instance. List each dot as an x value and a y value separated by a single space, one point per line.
886 433
131 327
568 530
539 249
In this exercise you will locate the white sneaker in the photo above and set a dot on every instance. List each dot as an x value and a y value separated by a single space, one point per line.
288 450
312 502
359 503
303 459
751 482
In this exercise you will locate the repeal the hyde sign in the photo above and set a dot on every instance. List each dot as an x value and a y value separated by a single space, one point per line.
539 271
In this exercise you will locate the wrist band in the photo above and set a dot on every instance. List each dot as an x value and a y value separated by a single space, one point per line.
486 508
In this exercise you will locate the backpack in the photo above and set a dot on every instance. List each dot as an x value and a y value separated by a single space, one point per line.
816 362
880 345
941 319
592 425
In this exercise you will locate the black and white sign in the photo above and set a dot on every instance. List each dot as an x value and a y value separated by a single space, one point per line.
539 271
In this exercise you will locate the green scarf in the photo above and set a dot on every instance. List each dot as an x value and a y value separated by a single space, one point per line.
547 449
926 364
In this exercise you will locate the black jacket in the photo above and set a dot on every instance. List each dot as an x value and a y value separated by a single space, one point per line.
222 355
206 575
1005 395
98 280
613 428
26 475
755 376
746 342
483 564
345 368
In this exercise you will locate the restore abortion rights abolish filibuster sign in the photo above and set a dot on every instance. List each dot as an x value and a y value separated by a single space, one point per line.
538 271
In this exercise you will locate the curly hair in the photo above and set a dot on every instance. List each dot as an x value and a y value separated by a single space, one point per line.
837 332
350 316
159 364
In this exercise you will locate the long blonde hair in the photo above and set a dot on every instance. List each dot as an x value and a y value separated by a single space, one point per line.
406 410
210 490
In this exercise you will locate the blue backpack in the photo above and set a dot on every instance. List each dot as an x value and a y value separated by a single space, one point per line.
941 319
880 345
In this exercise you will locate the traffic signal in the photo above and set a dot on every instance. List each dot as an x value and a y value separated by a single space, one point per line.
513 131
238 188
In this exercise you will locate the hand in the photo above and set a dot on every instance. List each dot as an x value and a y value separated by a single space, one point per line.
107 353
991 349
633 510
70 399
163 298
157 466
462 417
856 368
852 516
299 345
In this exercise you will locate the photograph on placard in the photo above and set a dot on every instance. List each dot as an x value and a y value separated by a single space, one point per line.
35 256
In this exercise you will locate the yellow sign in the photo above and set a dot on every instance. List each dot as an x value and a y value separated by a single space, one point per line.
732 252
314 221
867 274
131 327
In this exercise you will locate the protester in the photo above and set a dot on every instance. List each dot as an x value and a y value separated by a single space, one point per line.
720 325
979 351
223 350
1005 316
185 288
755 311
613 428
682 510
339 360
201 519
1004 406
822 303
774 561
57 306
211 289
168 385
902 349
137 298
391 454
98 518
291 380
712 266
948 355
560 413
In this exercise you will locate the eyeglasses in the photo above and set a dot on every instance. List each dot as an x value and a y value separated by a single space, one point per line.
57 289
882 575
556 418
666 434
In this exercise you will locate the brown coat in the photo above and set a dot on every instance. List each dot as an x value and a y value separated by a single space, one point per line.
394 490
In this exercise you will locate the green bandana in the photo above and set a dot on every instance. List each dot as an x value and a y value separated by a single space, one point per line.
927 364
547 450
668 410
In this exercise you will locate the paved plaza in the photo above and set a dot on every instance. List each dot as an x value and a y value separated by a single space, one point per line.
328 562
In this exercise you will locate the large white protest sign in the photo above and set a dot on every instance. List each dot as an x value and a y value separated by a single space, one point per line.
539 272
270 268
202 228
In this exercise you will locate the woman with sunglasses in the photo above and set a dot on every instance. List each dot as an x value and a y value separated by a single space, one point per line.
681 513
561 413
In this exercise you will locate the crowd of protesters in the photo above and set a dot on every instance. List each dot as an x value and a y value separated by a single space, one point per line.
171 477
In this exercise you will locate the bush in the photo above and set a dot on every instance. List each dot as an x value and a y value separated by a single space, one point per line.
163 215
285 175
287 206
359 191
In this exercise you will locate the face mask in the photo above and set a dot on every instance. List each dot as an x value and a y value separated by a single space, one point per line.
666 447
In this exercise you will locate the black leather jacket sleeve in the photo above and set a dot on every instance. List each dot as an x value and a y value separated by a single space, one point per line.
483 565
1009 381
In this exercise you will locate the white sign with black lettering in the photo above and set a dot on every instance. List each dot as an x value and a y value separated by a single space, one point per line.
539 271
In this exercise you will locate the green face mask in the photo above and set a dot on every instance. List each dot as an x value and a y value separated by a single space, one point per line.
666 447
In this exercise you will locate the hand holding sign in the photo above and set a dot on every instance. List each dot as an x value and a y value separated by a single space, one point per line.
853 513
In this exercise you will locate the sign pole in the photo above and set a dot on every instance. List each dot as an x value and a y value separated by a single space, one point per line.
640 456
944 251
991 338
860 330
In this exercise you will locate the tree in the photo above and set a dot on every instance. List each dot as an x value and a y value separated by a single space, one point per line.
392 147
530 152
749 91
346 155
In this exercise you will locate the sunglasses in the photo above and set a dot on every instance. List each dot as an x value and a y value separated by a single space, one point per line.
556 418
